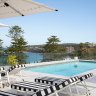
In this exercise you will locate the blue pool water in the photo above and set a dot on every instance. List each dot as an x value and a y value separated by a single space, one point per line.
66 69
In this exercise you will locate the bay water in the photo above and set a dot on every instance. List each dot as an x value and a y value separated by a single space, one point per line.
31 58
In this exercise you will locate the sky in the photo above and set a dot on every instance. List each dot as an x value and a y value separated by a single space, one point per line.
75 22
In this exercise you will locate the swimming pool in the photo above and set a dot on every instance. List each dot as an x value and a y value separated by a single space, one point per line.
65 69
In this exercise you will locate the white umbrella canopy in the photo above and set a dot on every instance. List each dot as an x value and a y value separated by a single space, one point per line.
3 25
12 8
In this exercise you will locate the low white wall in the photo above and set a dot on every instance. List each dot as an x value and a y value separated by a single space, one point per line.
49 63
87 60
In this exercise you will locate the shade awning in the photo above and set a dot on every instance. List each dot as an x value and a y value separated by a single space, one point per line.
12 8
3 25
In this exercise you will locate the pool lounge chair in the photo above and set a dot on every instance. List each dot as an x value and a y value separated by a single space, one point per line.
83 79
28 86
2 68
55 81
35 89
16 66
4 79
39 89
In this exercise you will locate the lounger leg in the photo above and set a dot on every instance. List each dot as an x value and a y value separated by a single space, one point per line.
1 84
76 89
20 74
85 86
70 90
8 78
26 93
86 89
56 93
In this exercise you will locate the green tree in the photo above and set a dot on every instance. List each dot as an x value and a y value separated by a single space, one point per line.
15 32
18 44
85 51
53 50
12 60
52 44
1 49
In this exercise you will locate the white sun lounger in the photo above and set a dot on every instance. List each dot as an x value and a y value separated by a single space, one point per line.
4 78
52 80
40 89
29 86
2 68
56 81
16 66
35 89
